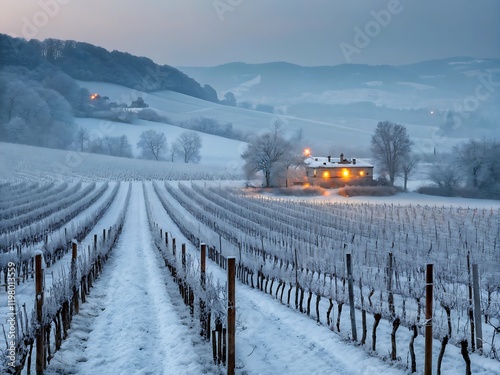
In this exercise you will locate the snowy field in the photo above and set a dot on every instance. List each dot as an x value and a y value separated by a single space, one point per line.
134 320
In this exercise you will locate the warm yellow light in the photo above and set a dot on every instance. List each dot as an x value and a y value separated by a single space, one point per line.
345 172
326 174
307 152
361 173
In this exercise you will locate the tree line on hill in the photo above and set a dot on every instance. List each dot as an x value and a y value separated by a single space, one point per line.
86 62
152 144
37 107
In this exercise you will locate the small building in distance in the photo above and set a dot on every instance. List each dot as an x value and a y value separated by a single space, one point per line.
331 172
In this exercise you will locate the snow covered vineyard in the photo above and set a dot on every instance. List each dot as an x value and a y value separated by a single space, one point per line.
133 302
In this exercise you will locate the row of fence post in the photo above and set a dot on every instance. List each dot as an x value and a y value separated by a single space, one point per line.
231 306
219 333
41 357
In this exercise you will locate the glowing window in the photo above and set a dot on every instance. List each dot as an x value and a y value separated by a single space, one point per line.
345 172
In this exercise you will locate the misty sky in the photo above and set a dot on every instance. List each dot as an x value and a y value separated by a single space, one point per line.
316 32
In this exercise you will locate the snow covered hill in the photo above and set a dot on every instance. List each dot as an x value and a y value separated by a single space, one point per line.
348 135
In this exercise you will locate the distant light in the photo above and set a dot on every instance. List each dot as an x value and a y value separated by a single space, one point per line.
307 152
432 112
361 173
345 172
326 174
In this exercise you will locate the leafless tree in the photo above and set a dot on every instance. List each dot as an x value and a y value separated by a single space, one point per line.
266 153
82 138
124 148
189 145
174 151
153 144
390 145
408 166
475 158
445 176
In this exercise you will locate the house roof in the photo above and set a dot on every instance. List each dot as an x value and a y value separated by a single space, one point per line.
322 162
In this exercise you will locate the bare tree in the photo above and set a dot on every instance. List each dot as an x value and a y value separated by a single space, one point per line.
445 176
408 166
265 153
189 146
474 156
124 148
174 151
82 138
153 144
390 145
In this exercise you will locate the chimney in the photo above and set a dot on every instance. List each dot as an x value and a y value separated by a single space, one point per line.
353 161
341 158
329 159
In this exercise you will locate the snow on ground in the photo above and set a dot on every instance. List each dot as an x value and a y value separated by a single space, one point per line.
264 325
25 291
406 199
134 318
321 134
43 164
129 325
273 339
210 152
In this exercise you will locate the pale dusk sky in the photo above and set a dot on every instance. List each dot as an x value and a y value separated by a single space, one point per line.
311 33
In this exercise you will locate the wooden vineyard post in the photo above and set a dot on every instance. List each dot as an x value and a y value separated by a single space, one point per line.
173 246
166 239
389 286
231 315
183 256
477 307
351 297
429 283
104 235
203 312
40 339
471 312
74 254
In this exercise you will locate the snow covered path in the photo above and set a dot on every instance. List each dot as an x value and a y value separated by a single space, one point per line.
273 339
130 325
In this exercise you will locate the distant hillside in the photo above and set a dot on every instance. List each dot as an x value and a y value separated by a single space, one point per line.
87 62
280 79
420 93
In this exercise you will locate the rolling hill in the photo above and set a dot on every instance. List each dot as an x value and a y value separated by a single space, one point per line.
351 135
420 93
